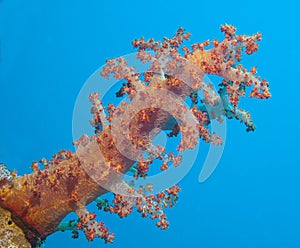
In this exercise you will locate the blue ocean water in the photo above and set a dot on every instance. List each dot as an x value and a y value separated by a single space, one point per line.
50 48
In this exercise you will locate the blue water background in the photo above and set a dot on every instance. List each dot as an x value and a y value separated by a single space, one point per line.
50 48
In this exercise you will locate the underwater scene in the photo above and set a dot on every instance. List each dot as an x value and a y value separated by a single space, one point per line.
149 124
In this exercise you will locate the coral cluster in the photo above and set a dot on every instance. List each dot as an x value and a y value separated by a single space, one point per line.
40 200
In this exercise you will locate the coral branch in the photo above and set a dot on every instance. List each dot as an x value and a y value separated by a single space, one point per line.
39 201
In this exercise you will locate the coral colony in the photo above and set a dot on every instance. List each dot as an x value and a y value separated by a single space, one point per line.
34 205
